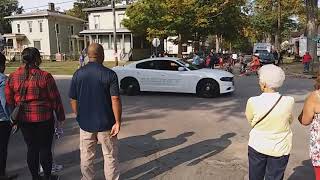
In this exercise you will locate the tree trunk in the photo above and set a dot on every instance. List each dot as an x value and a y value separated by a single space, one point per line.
312 10
180 46
277 37
217 44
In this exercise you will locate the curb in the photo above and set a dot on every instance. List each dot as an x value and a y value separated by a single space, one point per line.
296 75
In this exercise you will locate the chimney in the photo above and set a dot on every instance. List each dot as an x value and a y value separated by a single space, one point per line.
51 7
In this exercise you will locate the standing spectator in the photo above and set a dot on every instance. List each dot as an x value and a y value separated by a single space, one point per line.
40 100
196 59
311 115
5 126
306 60
270 116
96 101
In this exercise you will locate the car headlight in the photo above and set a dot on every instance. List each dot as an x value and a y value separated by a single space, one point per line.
229 79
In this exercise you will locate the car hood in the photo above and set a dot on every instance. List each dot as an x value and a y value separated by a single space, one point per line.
215 72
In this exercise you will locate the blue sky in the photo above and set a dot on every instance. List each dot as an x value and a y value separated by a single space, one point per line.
30 5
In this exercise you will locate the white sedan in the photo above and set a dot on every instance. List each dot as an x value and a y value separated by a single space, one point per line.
173 75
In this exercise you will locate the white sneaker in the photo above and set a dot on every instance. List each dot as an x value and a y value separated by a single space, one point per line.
55 168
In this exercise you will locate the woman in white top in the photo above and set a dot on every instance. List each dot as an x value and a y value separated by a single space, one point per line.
270 116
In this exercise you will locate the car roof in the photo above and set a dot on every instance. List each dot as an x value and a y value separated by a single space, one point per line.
154 59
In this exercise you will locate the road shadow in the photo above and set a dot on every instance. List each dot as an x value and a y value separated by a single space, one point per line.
130 148
305 171
195 153
146 145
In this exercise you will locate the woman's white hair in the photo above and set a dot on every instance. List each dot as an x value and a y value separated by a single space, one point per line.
273 76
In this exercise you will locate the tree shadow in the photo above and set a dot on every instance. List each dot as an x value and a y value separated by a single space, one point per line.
193 153
305 171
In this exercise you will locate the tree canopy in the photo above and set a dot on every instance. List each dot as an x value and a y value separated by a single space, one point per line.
7 7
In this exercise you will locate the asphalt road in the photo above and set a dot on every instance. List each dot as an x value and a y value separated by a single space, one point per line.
179 137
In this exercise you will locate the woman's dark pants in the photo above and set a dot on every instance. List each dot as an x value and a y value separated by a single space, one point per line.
266 167
5 130
38 137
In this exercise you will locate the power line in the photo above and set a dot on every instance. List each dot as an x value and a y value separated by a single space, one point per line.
47 5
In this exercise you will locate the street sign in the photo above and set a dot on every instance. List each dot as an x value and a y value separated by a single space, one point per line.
156 42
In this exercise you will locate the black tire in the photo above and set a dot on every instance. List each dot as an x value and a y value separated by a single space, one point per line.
130 86
208 88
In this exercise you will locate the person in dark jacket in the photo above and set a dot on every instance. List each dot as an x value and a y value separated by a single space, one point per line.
5 126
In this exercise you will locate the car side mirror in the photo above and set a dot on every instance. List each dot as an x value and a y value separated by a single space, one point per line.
181 69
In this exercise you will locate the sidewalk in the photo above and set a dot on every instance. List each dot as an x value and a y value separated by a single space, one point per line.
296 70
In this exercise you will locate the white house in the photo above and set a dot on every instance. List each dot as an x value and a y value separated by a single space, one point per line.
172 48
49 31
101 31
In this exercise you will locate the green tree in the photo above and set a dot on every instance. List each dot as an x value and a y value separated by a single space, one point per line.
187 19
7 7
270 21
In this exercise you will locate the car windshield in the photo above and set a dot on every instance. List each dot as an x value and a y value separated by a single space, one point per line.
188 65
266 56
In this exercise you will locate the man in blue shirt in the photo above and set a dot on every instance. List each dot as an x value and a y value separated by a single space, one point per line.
95 99
5 126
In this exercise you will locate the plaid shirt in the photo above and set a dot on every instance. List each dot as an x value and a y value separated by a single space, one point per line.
42 98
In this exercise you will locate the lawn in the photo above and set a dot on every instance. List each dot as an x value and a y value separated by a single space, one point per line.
56 68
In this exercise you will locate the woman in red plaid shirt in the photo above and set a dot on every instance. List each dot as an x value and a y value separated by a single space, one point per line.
36 119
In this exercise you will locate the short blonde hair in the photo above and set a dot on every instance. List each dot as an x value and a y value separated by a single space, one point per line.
273 76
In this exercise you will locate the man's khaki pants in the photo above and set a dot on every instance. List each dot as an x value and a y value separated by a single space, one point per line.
88 142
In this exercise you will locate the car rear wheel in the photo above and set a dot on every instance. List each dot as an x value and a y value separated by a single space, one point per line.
208 88
130 86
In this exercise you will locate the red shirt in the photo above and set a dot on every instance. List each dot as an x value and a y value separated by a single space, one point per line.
306 58
42 98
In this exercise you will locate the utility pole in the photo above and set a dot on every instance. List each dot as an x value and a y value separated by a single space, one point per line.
113 4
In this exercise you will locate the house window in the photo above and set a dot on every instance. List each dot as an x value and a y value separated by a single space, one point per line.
72 30
71 46
30 26
18 28
37 44
96 22
57 29
40 26
121 17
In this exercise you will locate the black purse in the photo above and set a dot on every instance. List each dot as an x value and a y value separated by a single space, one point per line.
14 116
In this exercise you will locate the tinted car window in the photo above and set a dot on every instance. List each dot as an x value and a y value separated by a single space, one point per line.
146 65
167 65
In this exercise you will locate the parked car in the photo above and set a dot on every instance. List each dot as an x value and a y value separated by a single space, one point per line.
173 75
267 58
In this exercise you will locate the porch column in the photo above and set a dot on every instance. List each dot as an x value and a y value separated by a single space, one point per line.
131 41
97 38
123 44
90 39
78 46
15 43
85 41
110 45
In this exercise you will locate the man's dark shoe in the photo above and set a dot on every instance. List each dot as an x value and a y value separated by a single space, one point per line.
9 177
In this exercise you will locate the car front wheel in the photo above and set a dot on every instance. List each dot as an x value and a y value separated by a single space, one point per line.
208 88
130 86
